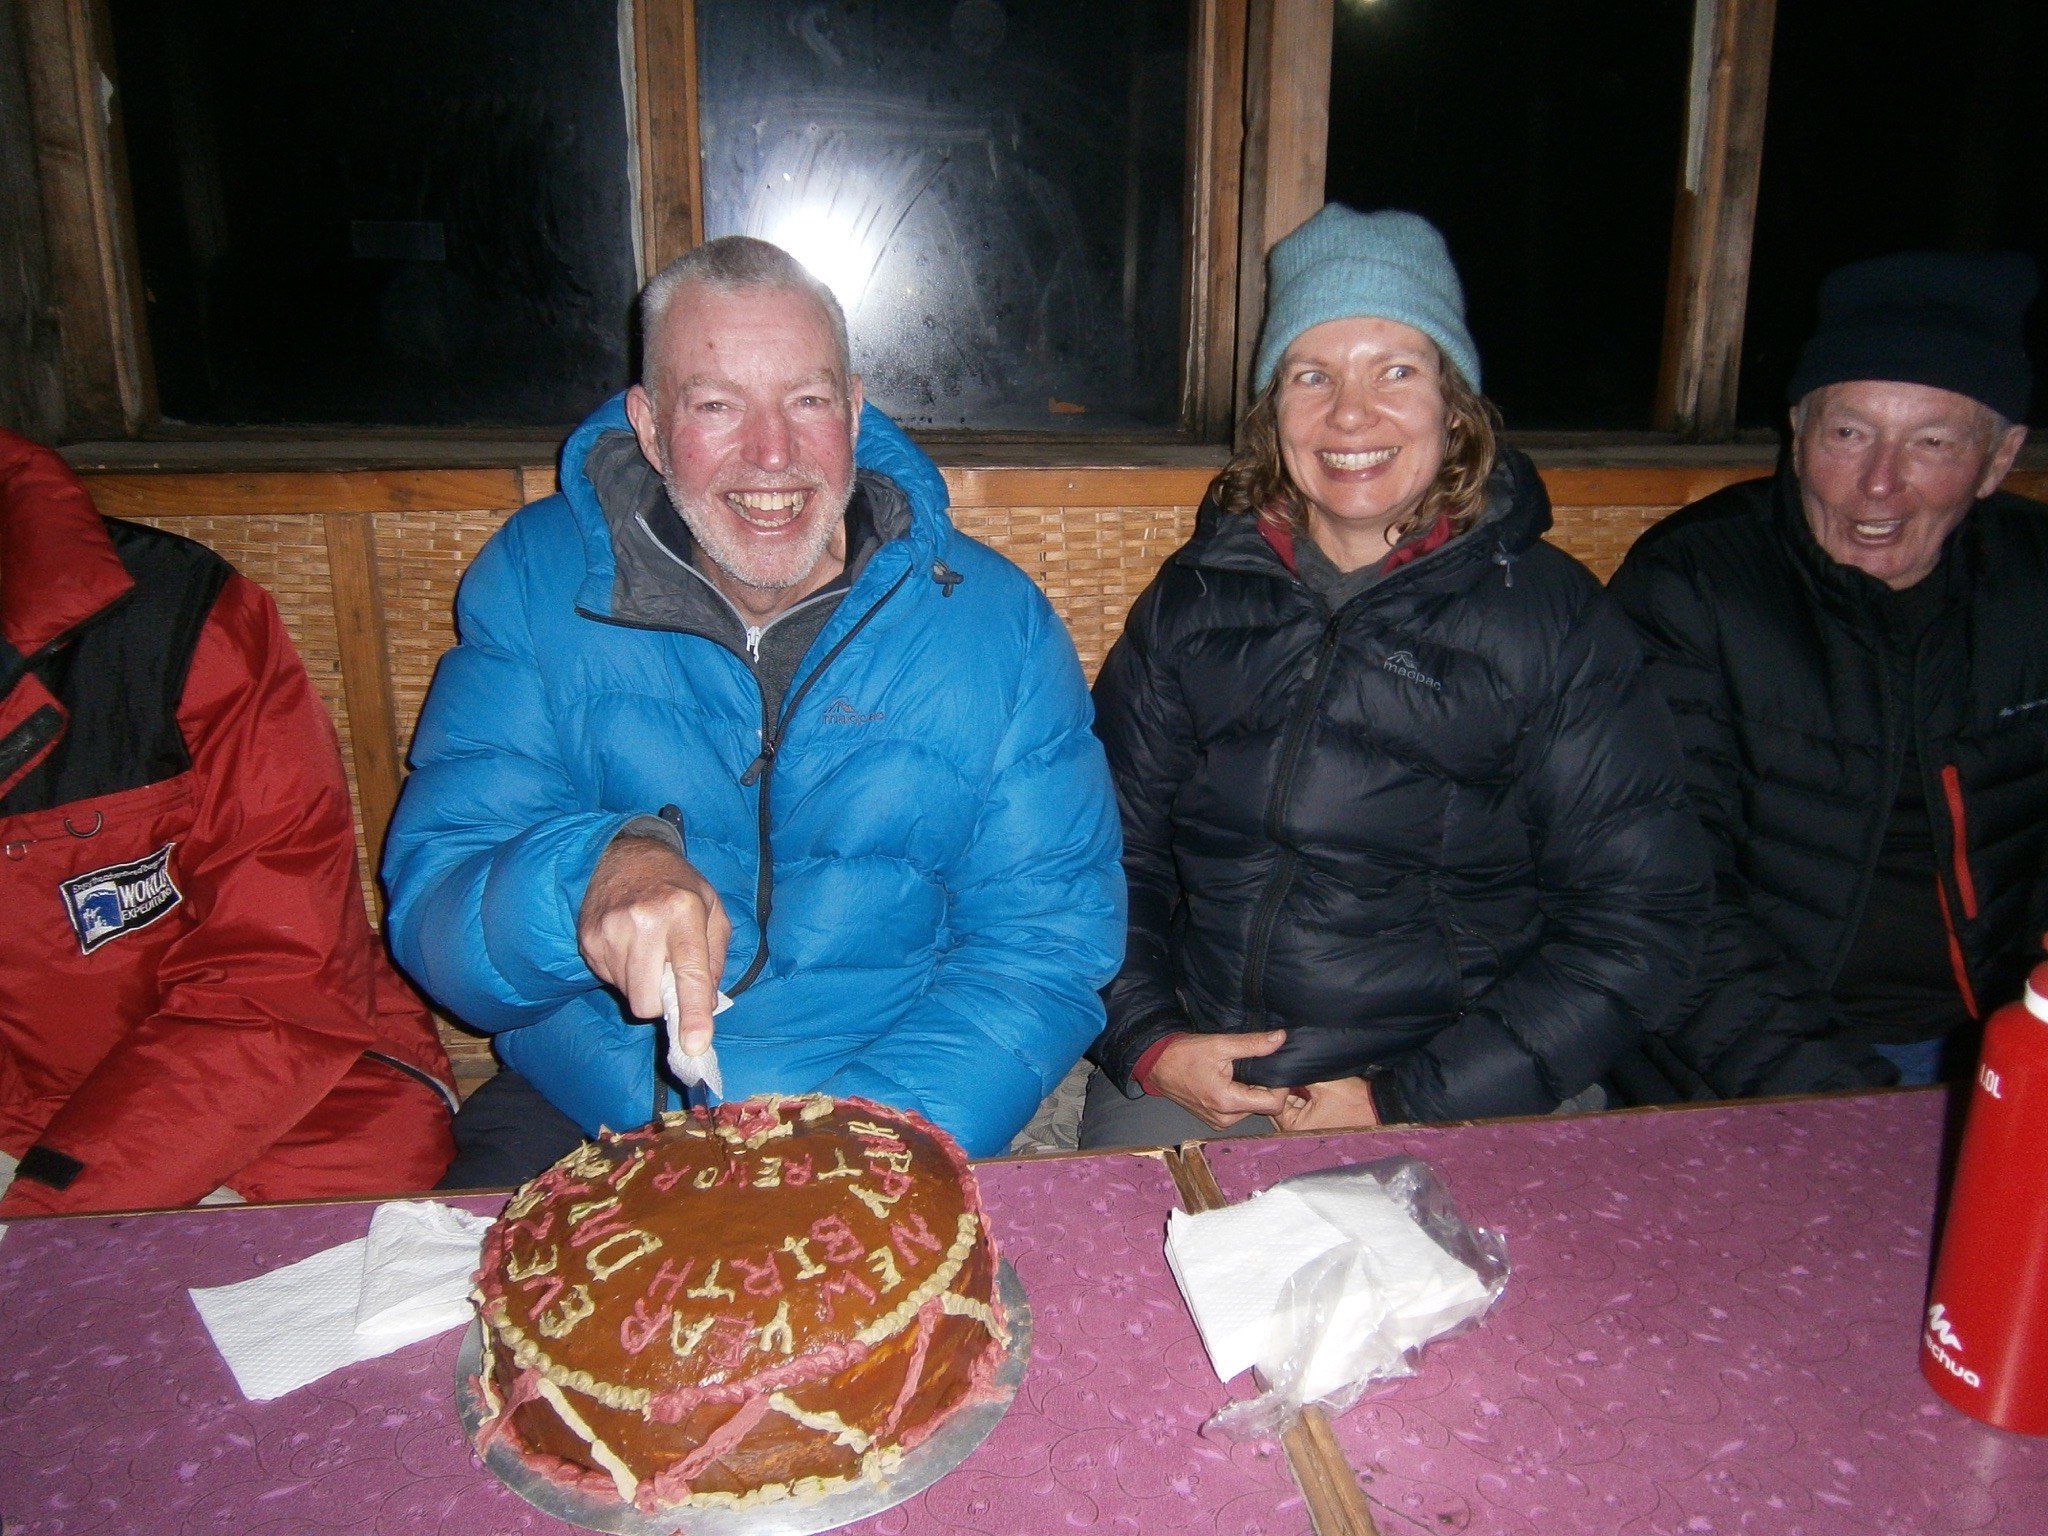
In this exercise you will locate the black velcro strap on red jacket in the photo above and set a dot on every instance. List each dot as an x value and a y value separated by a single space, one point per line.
24 742
46 1165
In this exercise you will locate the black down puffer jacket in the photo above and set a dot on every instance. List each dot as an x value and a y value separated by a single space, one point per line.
1440 836
1771 655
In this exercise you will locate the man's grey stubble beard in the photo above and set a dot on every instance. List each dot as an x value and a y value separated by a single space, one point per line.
730 555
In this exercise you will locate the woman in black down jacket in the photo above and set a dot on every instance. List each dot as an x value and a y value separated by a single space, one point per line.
1406 834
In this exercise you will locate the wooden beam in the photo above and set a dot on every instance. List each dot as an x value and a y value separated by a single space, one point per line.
1215 156
31 372
1286 148
669 179
1336 1504
271 494
365 671
95 285
1715 219
1078 487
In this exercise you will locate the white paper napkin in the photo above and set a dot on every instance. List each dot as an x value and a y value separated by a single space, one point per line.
1384 1285
1232 1262
690 1067
407 1280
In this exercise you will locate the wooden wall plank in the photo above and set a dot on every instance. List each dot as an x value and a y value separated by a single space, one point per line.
1715 219
365 674
88 232
175 495
1286 148
1078 487
31 354
283 491
670 183
1215 170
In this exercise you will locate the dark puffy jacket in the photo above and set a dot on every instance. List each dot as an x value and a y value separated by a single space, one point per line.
1772 657
1440 836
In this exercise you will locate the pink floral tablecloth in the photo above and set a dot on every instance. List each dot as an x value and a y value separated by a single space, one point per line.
117 1414
1710 1329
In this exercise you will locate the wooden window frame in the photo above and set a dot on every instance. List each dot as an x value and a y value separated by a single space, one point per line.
108 378
1257 142
1714 221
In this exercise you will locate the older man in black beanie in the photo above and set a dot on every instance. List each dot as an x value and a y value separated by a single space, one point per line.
1856 651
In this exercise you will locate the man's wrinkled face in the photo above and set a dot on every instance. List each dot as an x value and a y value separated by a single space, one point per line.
750 421
1887 471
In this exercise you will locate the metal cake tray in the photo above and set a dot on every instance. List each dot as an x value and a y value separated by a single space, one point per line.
919 1469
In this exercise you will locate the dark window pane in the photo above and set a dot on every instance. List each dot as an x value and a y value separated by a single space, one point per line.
993 189
382 211
1542 137
1893 125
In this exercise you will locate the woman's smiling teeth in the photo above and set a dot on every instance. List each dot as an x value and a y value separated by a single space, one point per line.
1369 459
1878 530
767 509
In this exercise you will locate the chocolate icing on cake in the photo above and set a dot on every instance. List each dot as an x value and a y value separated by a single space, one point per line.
761 1301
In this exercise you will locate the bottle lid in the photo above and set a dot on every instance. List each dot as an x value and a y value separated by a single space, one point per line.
2037 992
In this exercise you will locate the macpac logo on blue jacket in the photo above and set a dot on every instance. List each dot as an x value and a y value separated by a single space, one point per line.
841 711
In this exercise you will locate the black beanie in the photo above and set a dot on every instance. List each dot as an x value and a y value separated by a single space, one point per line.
1943 318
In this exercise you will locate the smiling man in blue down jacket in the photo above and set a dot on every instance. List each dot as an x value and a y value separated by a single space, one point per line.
897 847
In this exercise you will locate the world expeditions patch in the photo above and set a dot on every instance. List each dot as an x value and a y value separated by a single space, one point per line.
121 898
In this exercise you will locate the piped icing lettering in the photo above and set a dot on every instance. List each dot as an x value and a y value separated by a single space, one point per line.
763 1279
692 1279
800 1250
874 1201
711 1290
776 1337
883 1263
619 1250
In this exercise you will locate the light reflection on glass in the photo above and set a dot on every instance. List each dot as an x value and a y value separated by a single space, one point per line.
992 188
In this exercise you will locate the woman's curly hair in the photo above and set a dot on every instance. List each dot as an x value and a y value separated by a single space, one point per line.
1255 481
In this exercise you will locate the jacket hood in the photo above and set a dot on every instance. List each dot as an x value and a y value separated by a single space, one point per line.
605 491
1517 515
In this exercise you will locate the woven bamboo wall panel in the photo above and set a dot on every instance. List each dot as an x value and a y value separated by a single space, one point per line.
1600 536
420 560
1091 561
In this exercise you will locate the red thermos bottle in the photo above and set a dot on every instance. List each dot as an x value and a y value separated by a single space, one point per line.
1985 1343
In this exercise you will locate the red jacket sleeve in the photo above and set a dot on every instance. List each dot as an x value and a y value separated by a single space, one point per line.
267 1000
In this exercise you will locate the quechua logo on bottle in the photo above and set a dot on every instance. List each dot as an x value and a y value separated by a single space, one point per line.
106 903
1944 1344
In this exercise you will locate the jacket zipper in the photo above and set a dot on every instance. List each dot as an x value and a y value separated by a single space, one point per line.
1887 799
1966 887
761 772
1268 910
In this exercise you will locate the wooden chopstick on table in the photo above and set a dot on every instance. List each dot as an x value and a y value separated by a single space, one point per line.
1336 1504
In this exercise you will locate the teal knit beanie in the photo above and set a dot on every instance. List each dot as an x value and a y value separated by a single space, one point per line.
1387 265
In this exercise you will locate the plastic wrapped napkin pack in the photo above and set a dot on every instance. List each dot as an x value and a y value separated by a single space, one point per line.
1329 1282
407 1280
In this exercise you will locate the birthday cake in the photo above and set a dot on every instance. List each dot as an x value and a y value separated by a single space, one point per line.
767 1300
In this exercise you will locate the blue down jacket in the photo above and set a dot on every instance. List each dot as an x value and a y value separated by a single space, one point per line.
946 895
